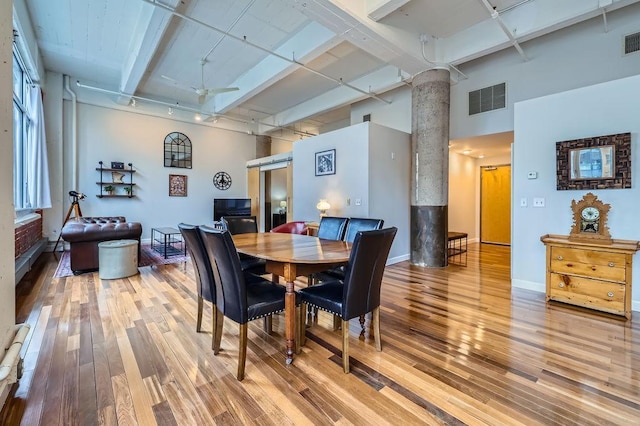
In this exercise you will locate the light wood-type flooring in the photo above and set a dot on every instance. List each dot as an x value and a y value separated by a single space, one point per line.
459 347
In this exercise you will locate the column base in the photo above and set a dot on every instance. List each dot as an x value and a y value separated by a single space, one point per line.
429 236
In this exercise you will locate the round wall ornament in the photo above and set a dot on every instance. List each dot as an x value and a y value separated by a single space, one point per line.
222 180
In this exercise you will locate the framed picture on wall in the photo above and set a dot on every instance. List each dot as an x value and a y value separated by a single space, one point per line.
326 162
177 186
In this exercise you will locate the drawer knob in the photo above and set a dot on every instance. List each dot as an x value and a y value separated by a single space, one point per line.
560 285
610 294
560 257
611 264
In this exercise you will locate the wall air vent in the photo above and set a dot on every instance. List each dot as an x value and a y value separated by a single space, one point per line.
631 43
488 99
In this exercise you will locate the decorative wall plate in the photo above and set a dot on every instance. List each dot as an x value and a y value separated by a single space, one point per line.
222 180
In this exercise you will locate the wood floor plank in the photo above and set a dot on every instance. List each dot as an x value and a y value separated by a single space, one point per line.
459 346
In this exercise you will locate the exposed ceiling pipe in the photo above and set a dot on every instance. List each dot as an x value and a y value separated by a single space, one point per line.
436 64
74 134
249 121
513 6
604 18
233 24
270 52
496 16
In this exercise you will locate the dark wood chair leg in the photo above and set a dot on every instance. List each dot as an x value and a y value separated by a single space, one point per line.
267 324
302 336
242 350
199 320
218 322
336 322
362 322
376 327
345 345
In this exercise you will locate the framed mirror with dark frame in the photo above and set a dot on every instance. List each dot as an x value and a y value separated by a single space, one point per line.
601 162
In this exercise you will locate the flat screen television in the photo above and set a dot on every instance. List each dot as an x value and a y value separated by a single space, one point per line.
231 207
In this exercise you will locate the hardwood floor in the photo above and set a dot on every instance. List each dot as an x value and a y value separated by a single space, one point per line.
458 347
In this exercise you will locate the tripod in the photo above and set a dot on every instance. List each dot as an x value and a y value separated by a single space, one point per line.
74 207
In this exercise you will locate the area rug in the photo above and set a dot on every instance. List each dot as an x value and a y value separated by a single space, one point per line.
148 257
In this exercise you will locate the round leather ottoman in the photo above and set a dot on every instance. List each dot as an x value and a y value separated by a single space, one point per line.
117 259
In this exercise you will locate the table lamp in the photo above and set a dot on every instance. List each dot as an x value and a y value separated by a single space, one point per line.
283 207
323 206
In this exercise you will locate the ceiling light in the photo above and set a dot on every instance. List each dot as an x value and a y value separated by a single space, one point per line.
198 117
133 102
170 112
466 151
481 156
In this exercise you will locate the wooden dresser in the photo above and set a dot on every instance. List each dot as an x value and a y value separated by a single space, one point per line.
590 274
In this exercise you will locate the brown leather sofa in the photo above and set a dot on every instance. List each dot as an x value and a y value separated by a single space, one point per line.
84 233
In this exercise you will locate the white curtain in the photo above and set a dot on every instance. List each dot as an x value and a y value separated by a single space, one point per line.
37 167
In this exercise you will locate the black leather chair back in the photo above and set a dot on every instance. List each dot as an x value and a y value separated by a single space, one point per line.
363 275
231 292
240 224
332 228
360 224
201 265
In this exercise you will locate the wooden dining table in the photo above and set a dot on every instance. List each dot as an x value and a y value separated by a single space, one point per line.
291 256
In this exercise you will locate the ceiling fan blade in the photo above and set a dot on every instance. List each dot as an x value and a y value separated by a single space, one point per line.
169 78
216 90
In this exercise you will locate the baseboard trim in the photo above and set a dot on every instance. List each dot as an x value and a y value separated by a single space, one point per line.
529 285
397 259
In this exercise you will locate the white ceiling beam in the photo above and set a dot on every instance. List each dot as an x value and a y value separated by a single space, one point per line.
349 19
381 80
526 22
378 9
152 25
309 43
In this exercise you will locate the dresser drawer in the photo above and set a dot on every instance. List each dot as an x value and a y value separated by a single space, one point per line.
596 264
590 293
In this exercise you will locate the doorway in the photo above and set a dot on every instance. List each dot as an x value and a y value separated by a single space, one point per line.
495 204
270 189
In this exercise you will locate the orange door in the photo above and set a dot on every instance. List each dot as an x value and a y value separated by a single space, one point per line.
495 205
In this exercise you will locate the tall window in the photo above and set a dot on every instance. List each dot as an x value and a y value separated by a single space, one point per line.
21 122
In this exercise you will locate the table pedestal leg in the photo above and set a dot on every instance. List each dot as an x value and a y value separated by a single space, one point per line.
290 318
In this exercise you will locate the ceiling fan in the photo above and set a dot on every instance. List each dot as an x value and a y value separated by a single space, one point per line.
203 91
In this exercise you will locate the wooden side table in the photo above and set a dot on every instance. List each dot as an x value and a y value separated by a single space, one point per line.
590 274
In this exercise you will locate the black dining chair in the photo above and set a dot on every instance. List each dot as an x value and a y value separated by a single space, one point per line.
245 225
202 269
235 299
359 293
332 227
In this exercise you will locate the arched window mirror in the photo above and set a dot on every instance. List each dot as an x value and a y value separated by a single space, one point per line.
177 150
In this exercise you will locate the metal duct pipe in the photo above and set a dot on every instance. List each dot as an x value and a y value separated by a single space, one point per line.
74 134
496 16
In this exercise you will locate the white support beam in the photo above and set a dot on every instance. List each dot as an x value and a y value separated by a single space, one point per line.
378 9
309 43
349 19
151 27
382 80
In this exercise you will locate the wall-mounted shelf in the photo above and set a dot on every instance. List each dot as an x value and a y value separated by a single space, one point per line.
120 183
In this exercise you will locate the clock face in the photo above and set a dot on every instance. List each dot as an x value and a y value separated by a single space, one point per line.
222 180
590 213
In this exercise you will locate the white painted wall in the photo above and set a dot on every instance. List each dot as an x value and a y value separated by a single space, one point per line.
463 190
52 104
114 135
389 184
364 171
600 109
574 57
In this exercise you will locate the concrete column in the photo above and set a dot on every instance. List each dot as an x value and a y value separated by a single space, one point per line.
430 167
